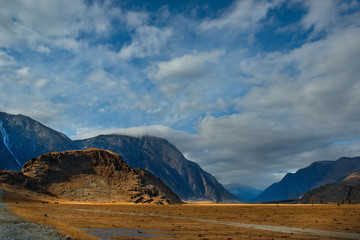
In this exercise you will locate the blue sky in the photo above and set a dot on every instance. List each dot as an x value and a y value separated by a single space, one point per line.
248 89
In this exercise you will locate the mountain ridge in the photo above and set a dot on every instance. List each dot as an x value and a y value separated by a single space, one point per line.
347 190
25 138
317 174
28 139
163 159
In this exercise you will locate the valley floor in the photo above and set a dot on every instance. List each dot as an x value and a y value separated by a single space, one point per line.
190 221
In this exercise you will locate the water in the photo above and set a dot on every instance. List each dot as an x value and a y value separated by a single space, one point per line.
108 233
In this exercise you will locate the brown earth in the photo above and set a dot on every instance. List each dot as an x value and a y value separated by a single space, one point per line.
89 175
352 180
185 221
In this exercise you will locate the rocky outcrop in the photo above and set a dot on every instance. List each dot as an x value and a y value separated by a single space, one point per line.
164 160
318 174
347 191
91 175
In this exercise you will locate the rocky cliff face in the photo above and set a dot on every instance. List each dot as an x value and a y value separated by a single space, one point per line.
346 191
163 159
91 175
22 138
294 185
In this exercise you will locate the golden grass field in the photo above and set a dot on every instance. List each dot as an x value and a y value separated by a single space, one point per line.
67 217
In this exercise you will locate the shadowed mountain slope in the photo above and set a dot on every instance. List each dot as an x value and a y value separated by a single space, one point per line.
294 185
22 138
347 190
244 193
90 175
164 160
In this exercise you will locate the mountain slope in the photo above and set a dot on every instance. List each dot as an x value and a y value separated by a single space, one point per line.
294 185
90 175
163 159
243 193
347 190
22 138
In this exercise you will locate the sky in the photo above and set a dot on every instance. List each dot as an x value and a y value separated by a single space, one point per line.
248 89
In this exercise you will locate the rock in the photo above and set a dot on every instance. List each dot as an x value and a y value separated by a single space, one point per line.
114 180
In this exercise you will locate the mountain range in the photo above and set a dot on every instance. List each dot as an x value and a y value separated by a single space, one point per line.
22 138
295 185
243 192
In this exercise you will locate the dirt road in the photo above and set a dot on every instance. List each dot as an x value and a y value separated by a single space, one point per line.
13 227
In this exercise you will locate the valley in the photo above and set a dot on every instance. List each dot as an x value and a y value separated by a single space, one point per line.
187 221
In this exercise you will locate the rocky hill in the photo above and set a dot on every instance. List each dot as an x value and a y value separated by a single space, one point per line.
90 175
294 185
163 159
347 191
22 138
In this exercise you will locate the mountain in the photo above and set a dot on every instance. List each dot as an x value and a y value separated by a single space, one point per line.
90 175
294 185
22 138
347 190
244 193
164 160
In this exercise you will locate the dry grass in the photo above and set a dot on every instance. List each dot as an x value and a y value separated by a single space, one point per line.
58 223
66 219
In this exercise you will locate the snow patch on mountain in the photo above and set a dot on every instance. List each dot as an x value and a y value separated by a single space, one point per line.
6 141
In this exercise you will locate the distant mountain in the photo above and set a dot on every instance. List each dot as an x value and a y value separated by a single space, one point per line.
346 191
22 138
90 175
294 185
160 157
243 193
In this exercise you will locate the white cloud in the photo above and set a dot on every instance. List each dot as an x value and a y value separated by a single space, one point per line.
172 76
43 49
99 79
146 41
44 24
242 16
6 60
320 14
23 72
155 130
23 21
329 16
189 66
136 19
40 83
